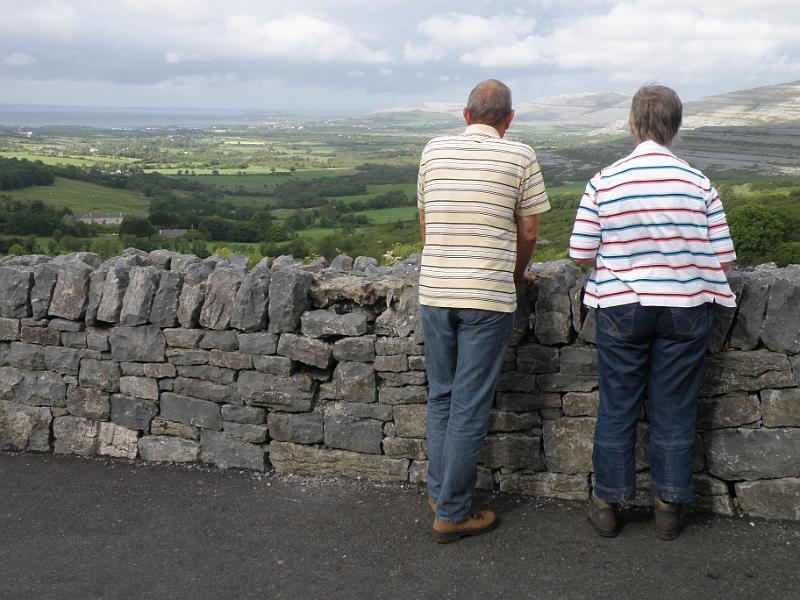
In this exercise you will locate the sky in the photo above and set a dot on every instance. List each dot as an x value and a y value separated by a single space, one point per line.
360 55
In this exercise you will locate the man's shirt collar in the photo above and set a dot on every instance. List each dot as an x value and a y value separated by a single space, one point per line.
481 129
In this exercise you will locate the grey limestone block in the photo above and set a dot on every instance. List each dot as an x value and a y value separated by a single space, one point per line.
349 433
164 309
16 283
748 454
215 374
206 390
288 299
64 361
90 403
397 447
162 448
514 451
252 300
414 394
287 457
193 294
355 382
71 294
97 281
144 343
416 363
579 360
545 484
723 315
97 340
43 336
228 452
159 370
116 440
357 349
220 340
230 360
24 428
160 258
535 358
183 338
360 410
552 316
222 286
342 263
113 291
160 426
306 350
512 381
274 365
507 422
752 309
76 435
100 374
200 413
288 394
568 444
134 413
139 387
74 339
772 499
180 357
302 428
248 415
365 264
182 263
397 363
65 325
139 296
322 323
781 329
391 379
26 356
731 410
44 282
258 343
285 261
739 371
781 408
410 420
9 330
581 404
247 432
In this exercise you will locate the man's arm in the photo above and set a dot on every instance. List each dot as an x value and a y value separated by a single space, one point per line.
422 224
527 228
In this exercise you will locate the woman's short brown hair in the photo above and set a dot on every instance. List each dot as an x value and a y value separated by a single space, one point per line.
656 114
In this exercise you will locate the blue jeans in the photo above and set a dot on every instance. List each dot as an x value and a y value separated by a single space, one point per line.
660 349
464 350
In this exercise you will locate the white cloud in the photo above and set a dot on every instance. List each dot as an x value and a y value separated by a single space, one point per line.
18 59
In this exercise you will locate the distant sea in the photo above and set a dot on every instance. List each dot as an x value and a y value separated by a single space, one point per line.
21 115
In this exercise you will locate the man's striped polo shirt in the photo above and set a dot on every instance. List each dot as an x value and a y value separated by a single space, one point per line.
470 188
658 232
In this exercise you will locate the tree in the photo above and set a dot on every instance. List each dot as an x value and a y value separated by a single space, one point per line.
756 231
136 226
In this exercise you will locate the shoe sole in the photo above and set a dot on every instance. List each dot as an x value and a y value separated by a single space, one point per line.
447 538
606 533
667 535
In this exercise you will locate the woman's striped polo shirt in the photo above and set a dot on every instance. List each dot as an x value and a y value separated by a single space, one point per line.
658 232
471 187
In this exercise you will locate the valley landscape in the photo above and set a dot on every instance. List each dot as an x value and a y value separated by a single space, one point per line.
271 184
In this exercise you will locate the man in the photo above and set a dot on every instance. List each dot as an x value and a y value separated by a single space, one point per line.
479 198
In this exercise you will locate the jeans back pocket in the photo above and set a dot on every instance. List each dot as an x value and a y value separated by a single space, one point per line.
618 321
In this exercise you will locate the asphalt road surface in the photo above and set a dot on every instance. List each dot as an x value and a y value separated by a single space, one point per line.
82 529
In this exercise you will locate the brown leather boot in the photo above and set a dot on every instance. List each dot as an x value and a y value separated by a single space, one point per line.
669 519
602 516
481 521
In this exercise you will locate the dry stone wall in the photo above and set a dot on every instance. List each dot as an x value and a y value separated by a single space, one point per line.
320 370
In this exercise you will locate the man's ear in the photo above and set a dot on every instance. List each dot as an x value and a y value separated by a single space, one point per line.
509 118
467 118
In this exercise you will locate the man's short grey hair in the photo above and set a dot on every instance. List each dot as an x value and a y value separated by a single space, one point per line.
656 114
489 102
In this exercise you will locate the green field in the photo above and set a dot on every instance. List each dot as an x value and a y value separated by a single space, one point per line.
391 215
255 177
78 161
82 197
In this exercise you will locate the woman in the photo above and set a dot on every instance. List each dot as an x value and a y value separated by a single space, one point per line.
655 231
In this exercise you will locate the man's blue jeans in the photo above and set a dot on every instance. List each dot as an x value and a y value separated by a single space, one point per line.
659 349
464 350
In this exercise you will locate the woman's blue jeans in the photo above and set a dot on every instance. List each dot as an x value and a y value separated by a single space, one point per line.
464 351
658 349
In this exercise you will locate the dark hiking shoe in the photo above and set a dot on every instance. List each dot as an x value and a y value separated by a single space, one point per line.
602 516
478 522
669 519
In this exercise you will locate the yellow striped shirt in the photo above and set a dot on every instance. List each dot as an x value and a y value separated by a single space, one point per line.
471 187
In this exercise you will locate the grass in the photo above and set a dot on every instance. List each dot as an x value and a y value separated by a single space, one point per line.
82 197
391 215
78 161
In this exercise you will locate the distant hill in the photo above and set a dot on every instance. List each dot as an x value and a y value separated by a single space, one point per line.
608 111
